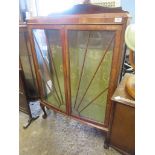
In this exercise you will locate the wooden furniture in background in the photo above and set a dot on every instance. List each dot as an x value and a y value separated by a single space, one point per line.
27 80
78 56
24 105
122 130
27 64
22 96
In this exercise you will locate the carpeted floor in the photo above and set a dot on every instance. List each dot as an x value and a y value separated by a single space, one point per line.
60 135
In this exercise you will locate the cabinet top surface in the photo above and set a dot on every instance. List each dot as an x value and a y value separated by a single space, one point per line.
120 95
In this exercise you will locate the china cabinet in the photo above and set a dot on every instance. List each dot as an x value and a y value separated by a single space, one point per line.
78 56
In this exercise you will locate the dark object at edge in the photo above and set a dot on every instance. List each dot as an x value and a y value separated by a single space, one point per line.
89 9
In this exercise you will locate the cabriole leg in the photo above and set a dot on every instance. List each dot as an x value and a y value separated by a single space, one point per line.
44 111
106 142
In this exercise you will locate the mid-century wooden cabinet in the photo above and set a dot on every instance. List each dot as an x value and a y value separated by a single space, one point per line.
78 58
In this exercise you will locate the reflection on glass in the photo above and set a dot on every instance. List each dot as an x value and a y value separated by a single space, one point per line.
49 56
90 66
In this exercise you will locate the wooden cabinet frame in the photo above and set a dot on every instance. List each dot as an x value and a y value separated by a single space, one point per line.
103 21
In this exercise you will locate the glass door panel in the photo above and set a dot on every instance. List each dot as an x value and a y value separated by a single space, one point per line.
49 55
90 55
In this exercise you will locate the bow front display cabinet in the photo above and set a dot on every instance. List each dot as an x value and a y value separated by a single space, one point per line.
78 58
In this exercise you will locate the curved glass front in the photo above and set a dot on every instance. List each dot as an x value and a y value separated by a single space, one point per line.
49 55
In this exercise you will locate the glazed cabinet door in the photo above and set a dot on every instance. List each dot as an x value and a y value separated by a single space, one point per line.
78 68
48 50
90 63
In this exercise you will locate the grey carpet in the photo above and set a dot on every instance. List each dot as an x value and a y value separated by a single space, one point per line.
60 135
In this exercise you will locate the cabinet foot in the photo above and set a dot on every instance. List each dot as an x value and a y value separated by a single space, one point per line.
106 141
44 116
106 145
